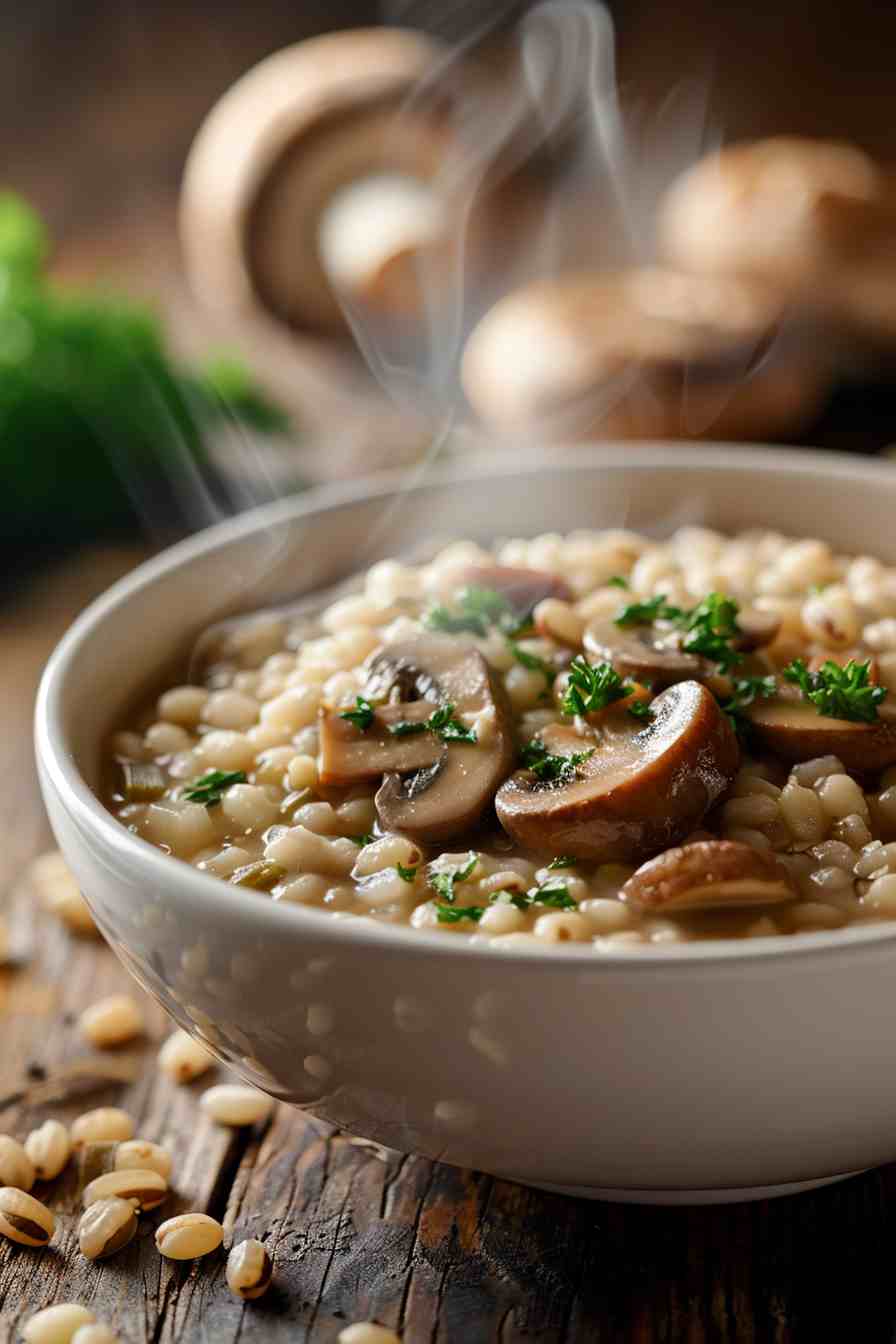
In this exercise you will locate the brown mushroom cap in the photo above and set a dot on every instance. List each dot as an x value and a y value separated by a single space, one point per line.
448 796
638 352
709 875
781 207
794 730
645 787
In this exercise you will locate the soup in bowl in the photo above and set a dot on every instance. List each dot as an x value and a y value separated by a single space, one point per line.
589 812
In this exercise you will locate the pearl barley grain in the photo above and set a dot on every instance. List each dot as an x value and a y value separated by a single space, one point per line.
147 1189
182 1058
49 1149
24 1219
232 1104
188 1236
101 1125
106 1226
16 1167
57 1325
365 1332
112 1021
97 1333
249 1270
142 1155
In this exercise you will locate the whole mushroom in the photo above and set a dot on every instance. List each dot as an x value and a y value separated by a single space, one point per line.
640 354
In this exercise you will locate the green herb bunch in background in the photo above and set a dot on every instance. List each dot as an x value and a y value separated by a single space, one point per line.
90 399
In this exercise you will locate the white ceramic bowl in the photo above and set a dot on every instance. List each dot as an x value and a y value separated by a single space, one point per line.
703 1072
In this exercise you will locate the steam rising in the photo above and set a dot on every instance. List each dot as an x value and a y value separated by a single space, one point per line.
544 158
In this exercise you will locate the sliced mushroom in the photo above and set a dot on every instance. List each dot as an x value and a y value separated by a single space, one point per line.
646 653
447 795
793 729
709 875
349 755
653 653
645 787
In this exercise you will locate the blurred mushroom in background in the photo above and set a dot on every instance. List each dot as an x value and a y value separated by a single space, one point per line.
646 353
814 218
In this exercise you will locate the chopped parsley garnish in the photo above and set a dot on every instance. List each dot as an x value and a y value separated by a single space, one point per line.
645 613
746 690
553 894
453 914
211 787
711 626
406 874
531 661
640 709
592 687
362 840
441 722
551 769
443 881
562 861
361 716
838 692
479 610
617 581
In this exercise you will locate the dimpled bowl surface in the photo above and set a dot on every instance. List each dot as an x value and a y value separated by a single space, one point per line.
701 1072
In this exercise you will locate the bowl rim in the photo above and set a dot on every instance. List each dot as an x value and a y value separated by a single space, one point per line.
153 868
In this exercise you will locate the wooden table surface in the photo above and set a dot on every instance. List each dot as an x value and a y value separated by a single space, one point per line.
357 1232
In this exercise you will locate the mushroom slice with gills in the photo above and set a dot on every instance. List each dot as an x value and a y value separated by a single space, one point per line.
645 786
793 729
709 875
448 796
645 653
653 653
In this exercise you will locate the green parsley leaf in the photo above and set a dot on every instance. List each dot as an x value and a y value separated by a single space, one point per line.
838 692
592 687
554 894
479 610
531 661
640 709
361 716
645 613
362 840
405 728
711 626
443 880
406 874
746 691
617 581
550 769
210 788
453 914
441 722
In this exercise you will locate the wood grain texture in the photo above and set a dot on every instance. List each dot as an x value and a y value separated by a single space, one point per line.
356 1232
